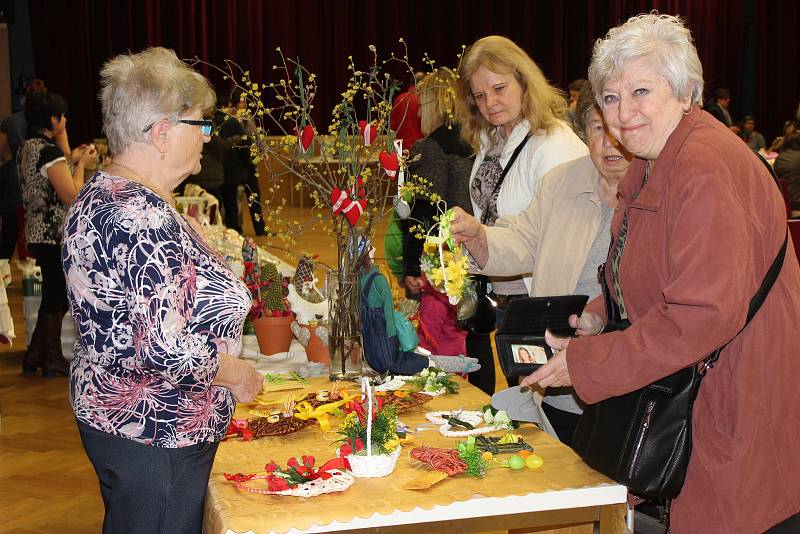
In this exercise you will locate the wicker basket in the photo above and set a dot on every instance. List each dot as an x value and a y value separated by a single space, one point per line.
377 465
372 465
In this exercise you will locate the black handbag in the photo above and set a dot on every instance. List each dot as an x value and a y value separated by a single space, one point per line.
484 320
643 440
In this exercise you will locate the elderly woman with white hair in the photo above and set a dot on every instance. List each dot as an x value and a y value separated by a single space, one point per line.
158 314
699 224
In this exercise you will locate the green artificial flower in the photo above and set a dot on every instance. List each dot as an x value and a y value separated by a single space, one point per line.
444 225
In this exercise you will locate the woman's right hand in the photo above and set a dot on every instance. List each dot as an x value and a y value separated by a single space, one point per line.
464 227
588 324
249 384
468 230
239 377
88 155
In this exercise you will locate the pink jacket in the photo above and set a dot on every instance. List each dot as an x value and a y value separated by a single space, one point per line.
437 324
702 233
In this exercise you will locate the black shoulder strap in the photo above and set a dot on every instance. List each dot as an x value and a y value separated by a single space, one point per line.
508 166
756 301
368 284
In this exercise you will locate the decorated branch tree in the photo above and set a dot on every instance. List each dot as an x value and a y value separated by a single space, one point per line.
354 174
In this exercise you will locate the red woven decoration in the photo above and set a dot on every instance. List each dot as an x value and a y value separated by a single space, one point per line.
446 460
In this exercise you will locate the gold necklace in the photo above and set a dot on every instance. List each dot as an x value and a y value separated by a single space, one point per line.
136 177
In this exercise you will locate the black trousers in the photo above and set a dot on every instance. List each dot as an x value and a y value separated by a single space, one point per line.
480 346
54 285
9 229
230 205
146 489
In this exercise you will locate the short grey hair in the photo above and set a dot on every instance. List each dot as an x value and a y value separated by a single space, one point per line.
663 39
138 90
586 102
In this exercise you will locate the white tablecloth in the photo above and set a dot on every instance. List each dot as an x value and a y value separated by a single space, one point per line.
282 362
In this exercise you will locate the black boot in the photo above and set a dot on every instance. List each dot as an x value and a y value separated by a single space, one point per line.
54 362
34 356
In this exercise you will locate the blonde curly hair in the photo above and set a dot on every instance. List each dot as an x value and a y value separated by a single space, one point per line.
436 93
542 103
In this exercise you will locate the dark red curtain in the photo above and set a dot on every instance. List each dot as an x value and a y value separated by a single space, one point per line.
777 56
73 38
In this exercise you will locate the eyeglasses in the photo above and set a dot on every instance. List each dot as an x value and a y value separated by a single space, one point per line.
205 125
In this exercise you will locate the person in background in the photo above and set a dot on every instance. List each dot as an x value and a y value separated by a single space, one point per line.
10 203
443 160
754 140
404 117
13 130
15 127
504 100
239 169
49 186
719 106
561 237
787 167
158 314
405 121
789 128
699 224
574 89
393 251
212 173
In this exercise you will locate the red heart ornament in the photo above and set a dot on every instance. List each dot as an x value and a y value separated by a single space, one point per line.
342 203
368 132
306 136
338 200
389 162
360 193
353 212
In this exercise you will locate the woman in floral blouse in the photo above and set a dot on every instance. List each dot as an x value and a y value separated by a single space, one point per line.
159 316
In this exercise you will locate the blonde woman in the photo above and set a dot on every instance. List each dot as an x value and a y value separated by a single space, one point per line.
508 107
441 158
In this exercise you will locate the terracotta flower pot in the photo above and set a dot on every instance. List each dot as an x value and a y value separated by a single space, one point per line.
274 334
316 351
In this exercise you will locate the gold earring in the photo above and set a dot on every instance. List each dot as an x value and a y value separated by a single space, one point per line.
163 155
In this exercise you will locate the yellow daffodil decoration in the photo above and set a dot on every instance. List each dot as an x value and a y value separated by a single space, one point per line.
443 263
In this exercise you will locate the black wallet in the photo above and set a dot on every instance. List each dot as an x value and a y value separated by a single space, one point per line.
520 342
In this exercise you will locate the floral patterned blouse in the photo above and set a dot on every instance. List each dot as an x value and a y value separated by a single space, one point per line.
153 305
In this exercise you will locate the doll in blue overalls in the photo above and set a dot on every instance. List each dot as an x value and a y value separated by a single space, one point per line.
379 331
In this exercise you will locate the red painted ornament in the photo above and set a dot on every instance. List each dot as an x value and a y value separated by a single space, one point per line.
368 132
390 163
351 209
306 136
